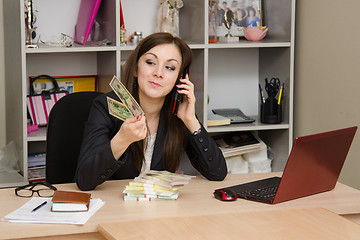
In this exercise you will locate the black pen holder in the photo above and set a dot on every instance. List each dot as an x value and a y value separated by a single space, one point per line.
271 111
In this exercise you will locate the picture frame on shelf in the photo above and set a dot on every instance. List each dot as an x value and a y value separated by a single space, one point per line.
246 13
69 83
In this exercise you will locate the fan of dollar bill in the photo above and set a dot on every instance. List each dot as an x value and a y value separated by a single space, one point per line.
128 107
156 185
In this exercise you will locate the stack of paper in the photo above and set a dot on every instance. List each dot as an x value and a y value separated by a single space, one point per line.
156 185
237 143
217 120
36 167
45 215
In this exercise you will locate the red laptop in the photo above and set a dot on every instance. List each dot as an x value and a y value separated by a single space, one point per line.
314 166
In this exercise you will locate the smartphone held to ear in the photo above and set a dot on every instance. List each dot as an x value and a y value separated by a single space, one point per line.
178 97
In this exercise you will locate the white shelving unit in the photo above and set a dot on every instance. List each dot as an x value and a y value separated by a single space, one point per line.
225 74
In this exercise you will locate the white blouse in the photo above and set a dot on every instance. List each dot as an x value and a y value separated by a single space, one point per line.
150 140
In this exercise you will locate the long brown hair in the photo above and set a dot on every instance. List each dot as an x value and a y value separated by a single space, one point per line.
176 139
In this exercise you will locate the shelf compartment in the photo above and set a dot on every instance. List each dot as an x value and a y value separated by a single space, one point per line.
102 64
233 79
244 70
54 17
38 135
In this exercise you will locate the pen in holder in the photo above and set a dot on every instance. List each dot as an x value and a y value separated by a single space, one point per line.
271 111
271 108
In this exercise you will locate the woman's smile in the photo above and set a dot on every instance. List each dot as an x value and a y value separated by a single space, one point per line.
154 84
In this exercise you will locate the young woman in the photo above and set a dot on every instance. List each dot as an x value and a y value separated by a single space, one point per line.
252 20
115 149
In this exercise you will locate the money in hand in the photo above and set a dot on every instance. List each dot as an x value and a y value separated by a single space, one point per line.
118 109
126 98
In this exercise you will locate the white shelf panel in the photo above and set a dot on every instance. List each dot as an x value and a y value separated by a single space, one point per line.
196 46
76 48
191 45
247 127
248 44
38 135
255 126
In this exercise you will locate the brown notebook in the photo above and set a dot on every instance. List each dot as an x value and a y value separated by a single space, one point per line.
67 201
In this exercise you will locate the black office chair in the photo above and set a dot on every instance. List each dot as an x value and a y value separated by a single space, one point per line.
65 132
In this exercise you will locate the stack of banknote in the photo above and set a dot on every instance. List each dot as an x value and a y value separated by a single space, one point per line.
156 185
128 107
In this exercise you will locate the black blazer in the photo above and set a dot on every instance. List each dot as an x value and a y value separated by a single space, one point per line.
97 164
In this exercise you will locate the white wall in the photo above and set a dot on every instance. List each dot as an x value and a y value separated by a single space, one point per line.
2 81
327 71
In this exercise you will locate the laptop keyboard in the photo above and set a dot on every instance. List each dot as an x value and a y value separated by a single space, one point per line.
261 192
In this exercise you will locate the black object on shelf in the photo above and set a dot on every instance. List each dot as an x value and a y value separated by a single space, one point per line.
271 111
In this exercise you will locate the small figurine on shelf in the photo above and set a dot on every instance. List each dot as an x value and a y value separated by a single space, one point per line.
168 16
122 36
135 38
30 19
123 41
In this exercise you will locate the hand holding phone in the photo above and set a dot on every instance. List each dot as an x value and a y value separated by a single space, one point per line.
178 97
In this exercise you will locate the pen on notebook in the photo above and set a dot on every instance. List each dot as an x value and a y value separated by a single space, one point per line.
41 205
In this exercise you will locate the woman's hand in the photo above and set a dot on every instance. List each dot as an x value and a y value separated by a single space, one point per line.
132 130
186 111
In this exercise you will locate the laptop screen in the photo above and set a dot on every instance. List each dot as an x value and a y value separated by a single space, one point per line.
315 163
